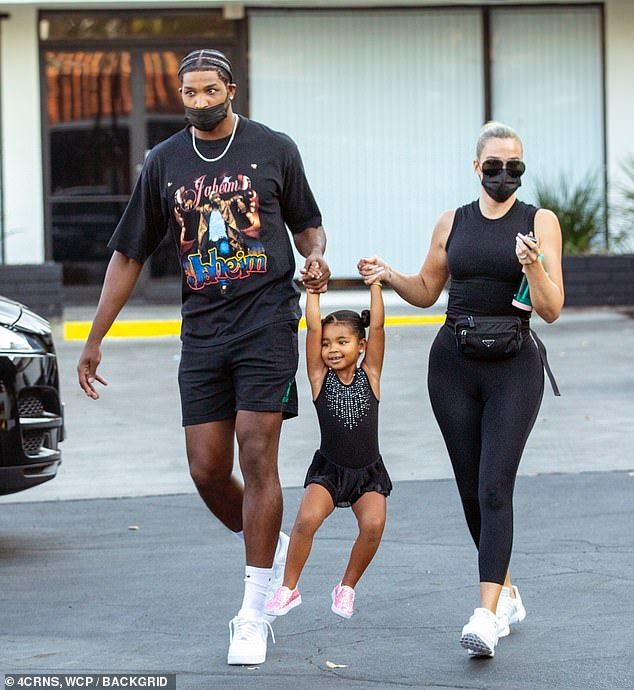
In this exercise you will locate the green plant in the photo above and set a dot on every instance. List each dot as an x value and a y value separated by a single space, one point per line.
580 210
624 209
627 189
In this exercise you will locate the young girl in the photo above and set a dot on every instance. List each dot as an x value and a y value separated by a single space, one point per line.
347 470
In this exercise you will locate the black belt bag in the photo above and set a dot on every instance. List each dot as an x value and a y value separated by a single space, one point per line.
497 337
489 337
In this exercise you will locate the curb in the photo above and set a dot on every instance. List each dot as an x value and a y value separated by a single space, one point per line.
78 330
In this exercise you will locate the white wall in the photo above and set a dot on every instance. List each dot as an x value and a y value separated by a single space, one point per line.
385 108
547 83
21 138
619 58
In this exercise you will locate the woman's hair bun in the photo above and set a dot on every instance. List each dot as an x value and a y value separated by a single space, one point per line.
495 130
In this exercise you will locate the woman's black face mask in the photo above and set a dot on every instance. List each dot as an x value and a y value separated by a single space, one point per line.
501 180
207 119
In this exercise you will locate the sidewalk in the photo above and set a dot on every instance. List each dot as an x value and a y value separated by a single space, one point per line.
83 592
130 442
330 301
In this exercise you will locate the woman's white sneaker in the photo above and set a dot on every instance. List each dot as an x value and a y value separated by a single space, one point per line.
503 631
511 607
480 634
248 635
503 625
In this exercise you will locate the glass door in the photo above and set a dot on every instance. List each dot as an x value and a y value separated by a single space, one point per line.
89 108
110 94
163 106
163 116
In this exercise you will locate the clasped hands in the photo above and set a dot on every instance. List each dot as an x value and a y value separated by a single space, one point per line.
372 270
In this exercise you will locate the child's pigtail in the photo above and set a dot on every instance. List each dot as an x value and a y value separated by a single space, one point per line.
365 318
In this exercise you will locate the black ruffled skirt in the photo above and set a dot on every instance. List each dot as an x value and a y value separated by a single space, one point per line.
347 484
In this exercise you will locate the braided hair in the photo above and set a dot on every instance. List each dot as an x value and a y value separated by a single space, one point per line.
206 60
356 322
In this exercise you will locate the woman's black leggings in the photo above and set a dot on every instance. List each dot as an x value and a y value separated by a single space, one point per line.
485 410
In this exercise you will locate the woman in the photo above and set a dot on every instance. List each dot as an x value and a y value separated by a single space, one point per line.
486 407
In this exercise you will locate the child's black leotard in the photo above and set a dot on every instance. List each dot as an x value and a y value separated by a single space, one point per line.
348 463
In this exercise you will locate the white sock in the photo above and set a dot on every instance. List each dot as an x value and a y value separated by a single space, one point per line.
278 547
256 584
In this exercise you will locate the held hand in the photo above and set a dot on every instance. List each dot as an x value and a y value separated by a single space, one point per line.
376 278
312 273
526 249
315 273
87 370
372 269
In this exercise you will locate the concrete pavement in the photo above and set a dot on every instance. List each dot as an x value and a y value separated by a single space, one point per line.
130 442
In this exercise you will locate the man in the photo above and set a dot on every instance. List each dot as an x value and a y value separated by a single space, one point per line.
240 311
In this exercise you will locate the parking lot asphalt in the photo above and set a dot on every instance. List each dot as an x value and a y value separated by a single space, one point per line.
82 592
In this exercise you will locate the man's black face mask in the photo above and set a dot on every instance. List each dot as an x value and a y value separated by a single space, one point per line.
207 119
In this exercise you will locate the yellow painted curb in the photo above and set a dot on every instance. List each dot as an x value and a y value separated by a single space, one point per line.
413 320
78 330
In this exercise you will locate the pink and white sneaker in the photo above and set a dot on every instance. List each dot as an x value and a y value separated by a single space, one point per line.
343 601
283 601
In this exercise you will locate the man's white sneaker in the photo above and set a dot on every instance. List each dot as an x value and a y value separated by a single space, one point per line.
511 607
277 576
248 634
480 634
279 563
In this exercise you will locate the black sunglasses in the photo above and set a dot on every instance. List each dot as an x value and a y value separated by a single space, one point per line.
494 166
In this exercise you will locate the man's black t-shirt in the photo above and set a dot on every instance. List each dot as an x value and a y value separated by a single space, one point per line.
228 220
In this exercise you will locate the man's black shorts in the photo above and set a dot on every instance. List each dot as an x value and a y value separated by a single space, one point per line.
253 372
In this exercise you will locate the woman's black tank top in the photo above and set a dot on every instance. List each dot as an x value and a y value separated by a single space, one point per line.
484 269
349 420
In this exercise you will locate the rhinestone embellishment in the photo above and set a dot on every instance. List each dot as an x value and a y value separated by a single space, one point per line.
348 404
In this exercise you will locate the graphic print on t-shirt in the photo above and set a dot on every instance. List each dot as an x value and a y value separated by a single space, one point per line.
219 231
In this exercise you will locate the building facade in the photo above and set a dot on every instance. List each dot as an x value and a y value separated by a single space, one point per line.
385 102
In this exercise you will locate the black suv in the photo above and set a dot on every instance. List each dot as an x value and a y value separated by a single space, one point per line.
31 413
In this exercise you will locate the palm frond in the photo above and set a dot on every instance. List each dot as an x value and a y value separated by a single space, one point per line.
579 208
